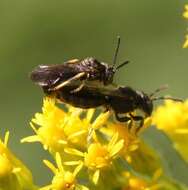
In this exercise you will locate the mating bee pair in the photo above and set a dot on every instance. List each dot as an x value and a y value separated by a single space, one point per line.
88 84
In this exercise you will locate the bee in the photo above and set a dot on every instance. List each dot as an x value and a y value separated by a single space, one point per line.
122 100
55 77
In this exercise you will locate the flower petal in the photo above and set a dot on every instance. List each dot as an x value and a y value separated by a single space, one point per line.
95 177
74 152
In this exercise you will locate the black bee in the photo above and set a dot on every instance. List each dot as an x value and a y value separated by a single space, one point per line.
54 77
121 100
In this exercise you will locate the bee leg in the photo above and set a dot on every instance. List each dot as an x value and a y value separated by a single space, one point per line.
122 119
78 89
114 85
138 118
67 82
130 124
106 108
140 125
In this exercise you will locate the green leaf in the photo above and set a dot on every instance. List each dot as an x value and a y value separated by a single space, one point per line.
173 164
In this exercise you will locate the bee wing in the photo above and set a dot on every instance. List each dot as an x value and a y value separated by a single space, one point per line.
45 75
110 91
105 90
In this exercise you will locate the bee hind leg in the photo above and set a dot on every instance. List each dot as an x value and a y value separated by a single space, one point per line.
78 88
69 81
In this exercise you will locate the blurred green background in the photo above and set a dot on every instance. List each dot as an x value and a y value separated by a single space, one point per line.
50 32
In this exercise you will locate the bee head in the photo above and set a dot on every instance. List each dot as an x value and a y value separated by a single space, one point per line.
144 102
109 75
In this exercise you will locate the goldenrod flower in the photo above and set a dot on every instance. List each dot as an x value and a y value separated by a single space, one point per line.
99 157
172 118
63 179
93 150
59 129
136 183
185 45
131 141
185 14
13 174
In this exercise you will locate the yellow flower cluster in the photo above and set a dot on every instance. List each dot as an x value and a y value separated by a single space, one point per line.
79 139
13 174
185 14
91 151
172 118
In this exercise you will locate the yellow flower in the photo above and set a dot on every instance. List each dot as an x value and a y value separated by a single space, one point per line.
13 174
131 141
99 157
185 14
63 180
137 183
172 118
58 129
185 45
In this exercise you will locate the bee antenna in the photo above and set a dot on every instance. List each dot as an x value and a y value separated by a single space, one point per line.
121 65
167 98
116 51
163 87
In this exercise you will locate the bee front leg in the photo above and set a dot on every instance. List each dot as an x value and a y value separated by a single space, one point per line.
138 118
122 119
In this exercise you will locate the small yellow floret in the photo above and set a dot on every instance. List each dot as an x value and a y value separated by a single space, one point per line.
97 156
6 166
137 184
131 141
63 179
185 14
100 156
172 118
13 173
185 45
